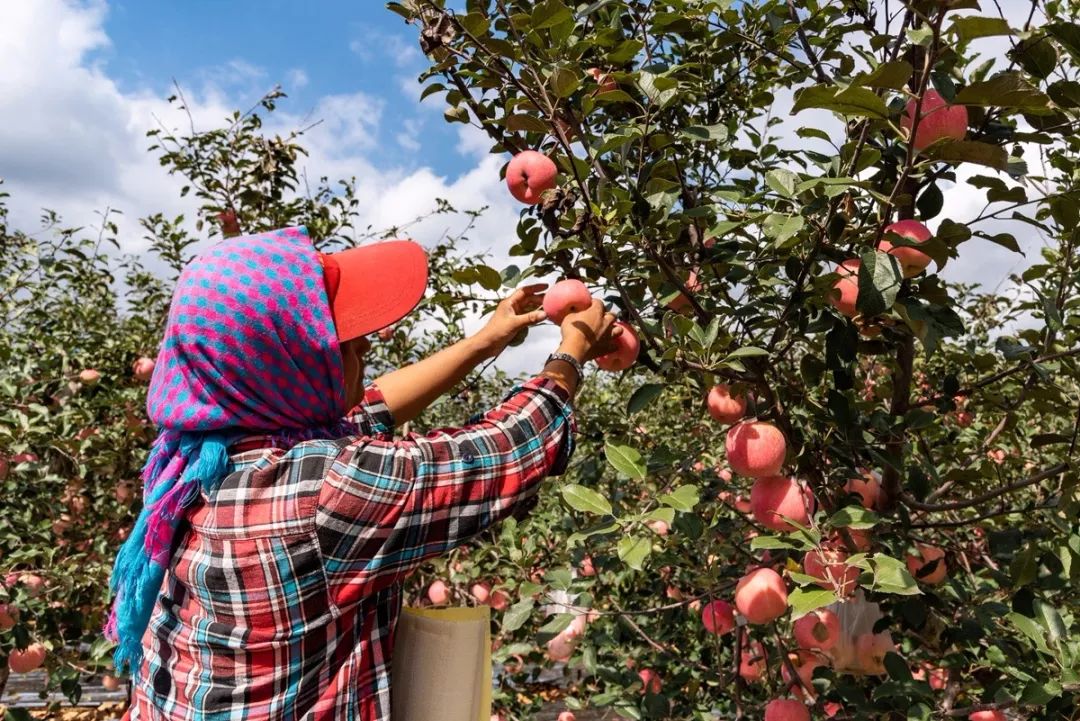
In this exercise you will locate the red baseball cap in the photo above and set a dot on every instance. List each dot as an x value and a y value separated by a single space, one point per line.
373 286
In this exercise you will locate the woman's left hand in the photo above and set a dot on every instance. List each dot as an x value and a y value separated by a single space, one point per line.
514 313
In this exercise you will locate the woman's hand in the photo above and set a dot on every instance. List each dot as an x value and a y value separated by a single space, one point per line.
514 313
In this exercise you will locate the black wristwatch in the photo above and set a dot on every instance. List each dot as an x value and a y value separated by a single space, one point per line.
567 358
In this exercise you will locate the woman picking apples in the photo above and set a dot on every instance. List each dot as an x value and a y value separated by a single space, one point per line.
263 578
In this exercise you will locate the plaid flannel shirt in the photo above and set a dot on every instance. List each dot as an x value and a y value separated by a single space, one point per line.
286 584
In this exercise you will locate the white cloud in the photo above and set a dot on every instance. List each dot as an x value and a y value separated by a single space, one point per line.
375 46
296 79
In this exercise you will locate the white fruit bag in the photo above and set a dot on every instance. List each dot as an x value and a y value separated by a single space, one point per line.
442 665
859 650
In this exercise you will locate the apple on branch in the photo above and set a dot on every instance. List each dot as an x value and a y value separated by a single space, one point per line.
529 174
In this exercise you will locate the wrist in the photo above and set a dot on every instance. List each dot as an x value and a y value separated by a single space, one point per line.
575 348
479 347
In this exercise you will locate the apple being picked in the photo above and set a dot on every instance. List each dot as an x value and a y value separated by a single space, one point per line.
605 82
912 260
529 174
627 347
566 297
937 120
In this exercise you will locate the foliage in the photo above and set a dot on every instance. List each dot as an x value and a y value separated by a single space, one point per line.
683 183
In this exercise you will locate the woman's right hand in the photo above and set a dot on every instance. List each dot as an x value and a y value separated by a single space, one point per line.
589 333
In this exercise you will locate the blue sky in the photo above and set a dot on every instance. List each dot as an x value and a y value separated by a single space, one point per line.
312 49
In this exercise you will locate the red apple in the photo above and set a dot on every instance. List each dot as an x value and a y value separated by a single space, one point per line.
681 301
987 715
565 297
829 565
499 600
529 174
723 406
438 592
718 617
9 616
481 592
626 350
868 488
912 260
755 449
817 630
761 596
27 660
110 683
845 291
963 418
605 82
937 120
831 708
566 716
386 333
230 226
650 681
924 555
586 568
34 584
804 662
752 662
89 377
935 676
143 369
786 709
659 527
776 498
124 492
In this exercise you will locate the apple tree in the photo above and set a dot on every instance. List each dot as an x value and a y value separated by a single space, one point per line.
835 476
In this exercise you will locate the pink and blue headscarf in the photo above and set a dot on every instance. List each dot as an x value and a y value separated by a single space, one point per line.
249 347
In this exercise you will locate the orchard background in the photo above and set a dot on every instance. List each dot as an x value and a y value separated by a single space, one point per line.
950 563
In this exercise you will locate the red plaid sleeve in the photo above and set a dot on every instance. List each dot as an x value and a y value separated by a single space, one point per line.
387 506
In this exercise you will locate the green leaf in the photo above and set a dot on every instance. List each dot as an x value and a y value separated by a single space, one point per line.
585 500
684 498
560 622
879 282
854 517
781 227
475 23
1037 56
891 576
564 81
516 616
804 600
1006 90
633 551
522 122
625 460
782 181
852 101
1068 35
747 351
643 396
970 27
550 13
1065 93
969 151
776 542
706 133
1031 629
893 75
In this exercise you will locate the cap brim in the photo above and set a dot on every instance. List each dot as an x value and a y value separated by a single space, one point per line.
377 286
